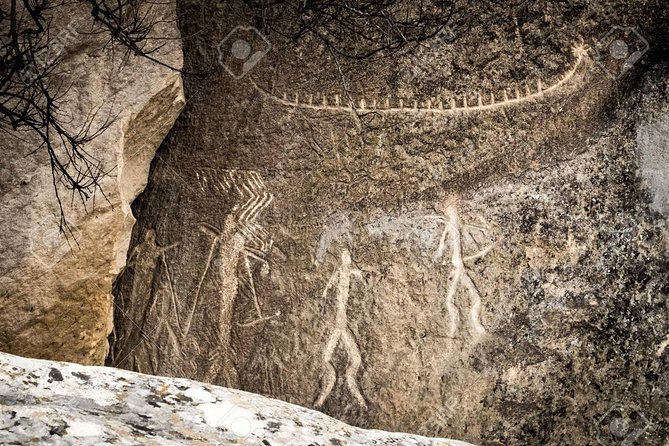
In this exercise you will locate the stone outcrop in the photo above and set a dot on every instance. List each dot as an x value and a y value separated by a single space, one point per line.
55 288
491 273
56 403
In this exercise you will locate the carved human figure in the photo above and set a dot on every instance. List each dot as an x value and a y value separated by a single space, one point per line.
144 260
452 233
229 245
341 278
240 242
249 189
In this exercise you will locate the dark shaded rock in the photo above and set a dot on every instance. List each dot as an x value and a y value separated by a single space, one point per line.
496 272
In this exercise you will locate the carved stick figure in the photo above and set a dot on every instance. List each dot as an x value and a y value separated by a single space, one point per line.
452 230
253 198
341 332
144 260
239 242
230 244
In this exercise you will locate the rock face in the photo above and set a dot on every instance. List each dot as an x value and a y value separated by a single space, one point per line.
55 288
492 246
55 403
653 144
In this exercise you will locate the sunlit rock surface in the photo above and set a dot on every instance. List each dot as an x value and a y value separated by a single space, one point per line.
55 287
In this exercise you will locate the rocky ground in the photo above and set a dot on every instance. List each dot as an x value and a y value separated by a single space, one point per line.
56 403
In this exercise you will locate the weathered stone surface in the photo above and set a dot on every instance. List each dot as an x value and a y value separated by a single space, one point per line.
55 290
56 403
493 274
653 143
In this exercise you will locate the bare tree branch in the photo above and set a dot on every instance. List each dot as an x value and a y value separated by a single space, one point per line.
354 29
31 94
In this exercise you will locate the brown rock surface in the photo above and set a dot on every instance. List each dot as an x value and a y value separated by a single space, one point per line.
507 281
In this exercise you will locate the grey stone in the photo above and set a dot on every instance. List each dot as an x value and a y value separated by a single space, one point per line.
112 406
653 142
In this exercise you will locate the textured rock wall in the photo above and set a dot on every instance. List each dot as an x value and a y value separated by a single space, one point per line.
55 291
45 402
653 143
493 274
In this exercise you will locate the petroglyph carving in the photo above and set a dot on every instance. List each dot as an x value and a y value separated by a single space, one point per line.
230 244
341 278
143 259
252 198
457 106
453 234
146 260
443 415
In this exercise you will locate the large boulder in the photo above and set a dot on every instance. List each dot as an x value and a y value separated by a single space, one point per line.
55 286
499 266
57 403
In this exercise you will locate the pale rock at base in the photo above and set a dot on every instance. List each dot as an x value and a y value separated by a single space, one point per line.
55 403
